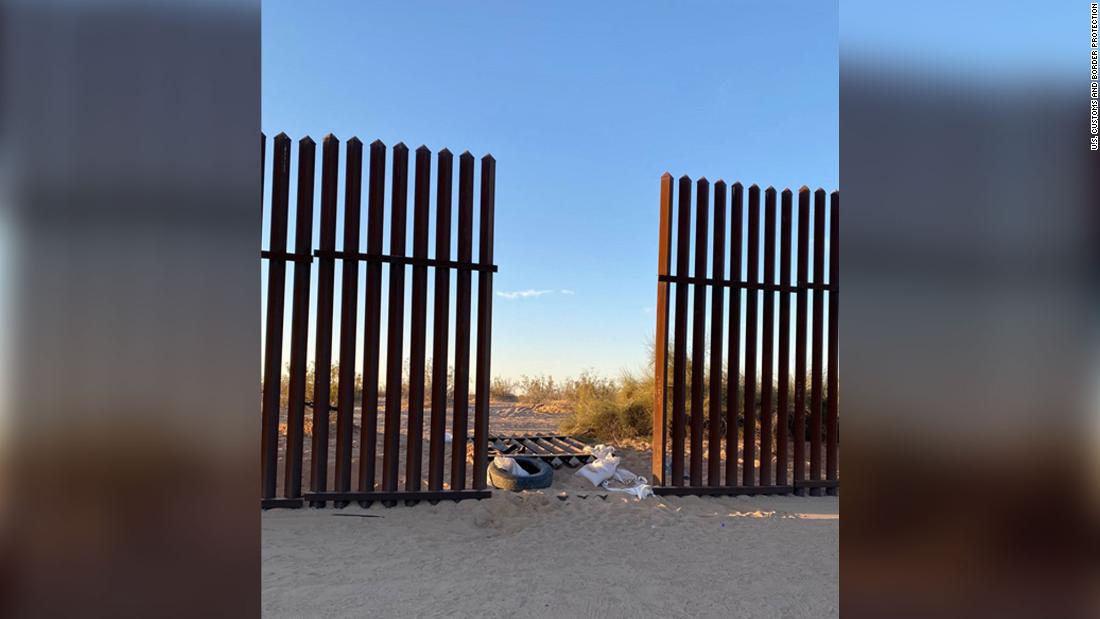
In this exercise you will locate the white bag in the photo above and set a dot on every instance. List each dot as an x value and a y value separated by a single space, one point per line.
602 467
510 465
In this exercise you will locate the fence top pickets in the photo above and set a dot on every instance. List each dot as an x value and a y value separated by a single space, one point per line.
329 141
737 282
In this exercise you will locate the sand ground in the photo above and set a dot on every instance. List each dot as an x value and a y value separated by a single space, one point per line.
569 551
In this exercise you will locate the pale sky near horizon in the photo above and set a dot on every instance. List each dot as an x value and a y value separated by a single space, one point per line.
584 106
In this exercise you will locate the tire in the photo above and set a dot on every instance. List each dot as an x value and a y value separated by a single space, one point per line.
541 475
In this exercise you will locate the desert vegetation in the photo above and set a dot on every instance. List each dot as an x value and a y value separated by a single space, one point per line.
590 405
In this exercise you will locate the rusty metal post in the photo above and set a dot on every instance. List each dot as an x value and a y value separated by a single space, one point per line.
660 360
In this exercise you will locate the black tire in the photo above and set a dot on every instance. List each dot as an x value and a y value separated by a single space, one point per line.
541 475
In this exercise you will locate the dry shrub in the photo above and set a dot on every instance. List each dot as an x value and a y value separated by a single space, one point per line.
540 389
610 410
502 390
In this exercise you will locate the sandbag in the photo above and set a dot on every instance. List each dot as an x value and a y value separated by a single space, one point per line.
599 469
604 468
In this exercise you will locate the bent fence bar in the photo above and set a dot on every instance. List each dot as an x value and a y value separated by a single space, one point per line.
286 448
740 420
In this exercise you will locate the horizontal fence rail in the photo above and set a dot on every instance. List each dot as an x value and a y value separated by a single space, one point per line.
374 464
734 406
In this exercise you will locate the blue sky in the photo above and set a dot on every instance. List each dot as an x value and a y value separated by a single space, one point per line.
584 106
1009 44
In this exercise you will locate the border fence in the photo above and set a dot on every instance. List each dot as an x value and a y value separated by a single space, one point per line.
331 468
746 436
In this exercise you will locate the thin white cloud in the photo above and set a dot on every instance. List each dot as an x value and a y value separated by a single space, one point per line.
522 294
567 291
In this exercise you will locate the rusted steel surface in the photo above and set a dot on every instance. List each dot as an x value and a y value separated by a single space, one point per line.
699 332
351 255
733 373
718 293
767 341
349 296
782 438
299 329
440 321
660 388
372 324
554 449
679 348
569 440
273 337
419 319
752 326
769 283
821 483
531 446
462 320
395 324
263 162
833 382
482 373
390 499
326 274
721 490
800 338
818 339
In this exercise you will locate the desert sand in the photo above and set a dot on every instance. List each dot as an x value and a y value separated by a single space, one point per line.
568 551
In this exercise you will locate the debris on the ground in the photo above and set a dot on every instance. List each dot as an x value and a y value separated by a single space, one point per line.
604 472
